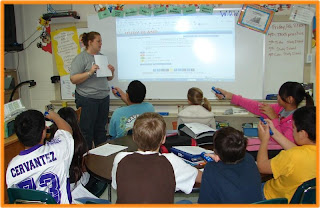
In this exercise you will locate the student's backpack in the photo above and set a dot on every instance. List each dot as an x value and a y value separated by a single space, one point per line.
202 141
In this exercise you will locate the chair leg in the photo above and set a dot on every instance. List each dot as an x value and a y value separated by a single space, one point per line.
304 192
109 191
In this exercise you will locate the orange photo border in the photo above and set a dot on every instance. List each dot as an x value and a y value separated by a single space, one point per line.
259 8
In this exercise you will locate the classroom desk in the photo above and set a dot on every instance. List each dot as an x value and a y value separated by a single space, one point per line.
101 166
94 162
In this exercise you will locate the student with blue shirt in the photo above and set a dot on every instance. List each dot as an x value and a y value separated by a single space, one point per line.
123 118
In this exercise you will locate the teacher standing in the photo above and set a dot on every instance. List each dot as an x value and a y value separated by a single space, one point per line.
92 92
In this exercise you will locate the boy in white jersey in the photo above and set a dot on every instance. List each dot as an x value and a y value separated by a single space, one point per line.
42 166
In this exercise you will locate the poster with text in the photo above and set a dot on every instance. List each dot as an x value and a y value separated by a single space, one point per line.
65 44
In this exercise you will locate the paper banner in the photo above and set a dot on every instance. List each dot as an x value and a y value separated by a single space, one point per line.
117 13
145 11
174 10
104 14
189 10
206 9
159 11
131 12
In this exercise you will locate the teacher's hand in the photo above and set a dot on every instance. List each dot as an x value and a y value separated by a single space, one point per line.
112 69
93 69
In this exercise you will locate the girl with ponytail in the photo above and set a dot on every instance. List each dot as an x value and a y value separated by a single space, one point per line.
290 95
198 111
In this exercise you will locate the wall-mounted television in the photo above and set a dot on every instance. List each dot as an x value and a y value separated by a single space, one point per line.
10 38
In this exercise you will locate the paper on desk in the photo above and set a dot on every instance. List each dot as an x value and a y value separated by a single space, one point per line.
102 62
107 149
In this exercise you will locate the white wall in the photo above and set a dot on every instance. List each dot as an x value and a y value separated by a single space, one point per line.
36 64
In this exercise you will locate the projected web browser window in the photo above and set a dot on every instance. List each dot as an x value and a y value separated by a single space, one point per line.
176 48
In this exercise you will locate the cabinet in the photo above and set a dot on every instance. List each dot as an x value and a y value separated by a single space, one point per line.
11 73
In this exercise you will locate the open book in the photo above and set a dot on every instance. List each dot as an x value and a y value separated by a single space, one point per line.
197 130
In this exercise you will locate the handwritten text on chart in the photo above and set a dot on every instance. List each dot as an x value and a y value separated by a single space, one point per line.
285 40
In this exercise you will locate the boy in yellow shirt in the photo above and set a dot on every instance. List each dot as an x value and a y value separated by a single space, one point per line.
291 167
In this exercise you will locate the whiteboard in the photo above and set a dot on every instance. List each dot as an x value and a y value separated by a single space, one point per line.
249 59
284 55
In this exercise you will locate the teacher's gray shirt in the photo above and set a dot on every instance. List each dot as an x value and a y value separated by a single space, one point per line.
94 87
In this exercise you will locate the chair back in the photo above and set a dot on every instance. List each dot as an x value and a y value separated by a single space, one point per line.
78 112
273 201
305 193
29 196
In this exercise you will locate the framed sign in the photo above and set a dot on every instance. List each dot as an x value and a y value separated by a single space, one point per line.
256 18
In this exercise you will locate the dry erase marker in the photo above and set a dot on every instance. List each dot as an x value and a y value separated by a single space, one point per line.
264 122
206 158
117 93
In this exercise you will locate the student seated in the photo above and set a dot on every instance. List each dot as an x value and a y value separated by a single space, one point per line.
77 170
40 166
198 111
290 95
291 167
146 176
123 118
233 176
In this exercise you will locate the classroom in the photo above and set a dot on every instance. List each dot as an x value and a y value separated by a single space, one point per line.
247 49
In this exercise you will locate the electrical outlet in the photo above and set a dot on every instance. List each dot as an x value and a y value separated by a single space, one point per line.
309 58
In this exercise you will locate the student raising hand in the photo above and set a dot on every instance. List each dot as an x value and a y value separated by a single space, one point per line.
263 132
290 95
225 94
122 94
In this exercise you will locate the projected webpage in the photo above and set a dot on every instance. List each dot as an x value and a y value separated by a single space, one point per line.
176 48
